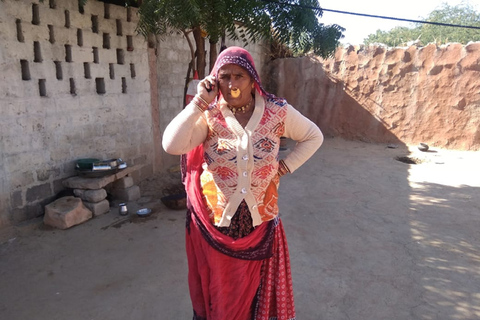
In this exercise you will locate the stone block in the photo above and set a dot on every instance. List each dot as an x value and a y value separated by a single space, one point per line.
129 194
94 196
28 212
78 182
66 212
38 192
17 199
98 208
124 183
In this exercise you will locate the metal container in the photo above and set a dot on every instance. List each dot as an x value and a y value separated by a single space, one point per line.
122 209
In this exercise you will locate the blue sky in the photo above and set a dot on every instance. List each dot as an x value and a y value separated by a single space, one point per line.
359 28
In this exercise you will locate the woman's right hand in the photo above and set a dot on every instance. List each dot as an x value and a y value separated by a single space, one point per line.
207 89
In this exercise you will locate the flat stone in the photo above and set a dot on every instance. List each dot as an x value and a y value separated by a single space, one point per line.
91 195
66 212
128 194
78 182
98 208
124 183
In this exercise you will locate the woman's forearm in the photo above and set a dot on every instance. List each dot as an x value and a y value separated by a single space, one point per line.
186 131
307 135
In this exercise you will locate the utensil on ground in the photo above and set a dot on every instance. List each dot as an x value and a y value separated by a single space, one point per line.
122 209
144 212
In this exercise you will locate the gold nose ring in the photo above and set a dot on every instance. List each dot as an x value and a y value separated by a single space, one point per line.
235 92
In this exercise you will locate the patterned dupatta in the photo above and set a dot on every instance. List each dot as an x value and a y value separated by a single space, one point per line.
243 279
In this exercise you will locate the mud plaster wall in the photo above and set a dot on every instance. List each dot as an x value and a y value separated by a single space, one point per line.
73 84
429 94
80 83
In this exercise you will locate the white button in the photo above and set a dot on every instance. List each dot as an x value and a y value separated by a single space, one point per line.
229 217
245 173
254 207
245 157
244 190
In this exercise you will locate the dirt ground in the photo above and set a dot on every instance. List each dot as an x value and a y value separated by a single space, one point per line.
370 237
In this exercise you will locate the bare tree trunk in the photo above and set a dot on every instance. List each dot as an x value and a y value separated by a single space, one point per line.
200 44
213 54
192 51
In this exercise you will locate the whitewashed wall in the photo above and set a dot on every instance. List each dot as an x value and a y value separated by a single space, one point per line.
52 112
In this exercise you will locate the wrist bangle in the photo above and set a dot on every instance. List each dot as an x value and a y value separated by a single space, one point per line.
282 168
201 99
200 103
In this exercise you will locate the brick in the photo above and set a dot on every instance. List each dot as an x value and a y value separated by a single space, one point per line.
97 183
124 183
66 212
26 213
58 186
16 199
129 194
98 208
93 196
38 192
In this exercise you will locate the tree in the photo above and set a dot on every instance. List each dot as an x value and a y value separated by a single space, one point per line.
461 14
296 26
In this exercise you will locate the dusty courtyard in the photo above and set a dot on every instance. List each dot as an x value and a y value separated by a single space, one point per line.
370 238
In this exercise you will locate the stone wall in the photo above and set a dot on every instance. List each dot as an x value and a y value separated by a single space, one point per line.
74 83
429 94
79 82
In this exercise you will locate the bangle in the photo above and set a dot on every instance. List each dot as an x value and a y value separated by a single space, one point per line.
282 168
202 100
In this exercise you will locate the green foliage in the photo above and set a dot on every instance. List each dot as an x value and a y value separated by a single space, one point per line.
427 33
244 20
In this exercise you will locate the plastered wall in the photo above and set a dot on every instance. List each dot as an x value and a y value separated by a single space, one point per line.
74 83
415 94
78 82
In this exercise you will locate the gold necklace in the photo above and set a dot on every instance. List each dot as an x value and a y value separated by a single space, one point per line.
242 109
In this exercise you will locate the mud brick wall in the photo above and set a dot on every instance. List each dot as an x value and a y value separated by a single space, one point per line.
414 94
74 83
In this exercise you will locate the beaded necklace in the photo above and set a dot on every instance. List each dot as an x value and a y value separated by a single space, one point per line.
241 109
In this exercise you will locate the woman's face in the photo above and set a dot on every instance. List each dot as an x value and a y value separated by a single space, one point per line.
233 77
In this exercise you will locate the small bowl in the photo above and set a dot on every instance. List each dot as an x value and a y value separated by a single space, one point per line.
144 212
423 147
86 163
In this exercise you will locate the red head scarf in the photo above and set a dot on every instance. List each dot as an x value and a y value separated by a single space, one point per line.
242 58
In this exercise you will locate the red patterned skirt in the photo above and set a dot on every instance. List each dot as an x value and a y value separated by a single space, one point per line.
237 273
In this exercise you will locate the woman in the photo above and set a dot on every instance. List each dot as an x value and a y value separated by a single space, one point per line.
238 259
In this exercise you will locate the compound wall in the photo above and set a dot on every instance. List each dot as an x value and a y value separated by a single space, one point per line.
415 94
78 82
74 83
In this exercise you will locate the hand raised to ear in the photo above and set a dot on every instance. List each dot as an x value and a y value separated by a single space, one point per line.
207 89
